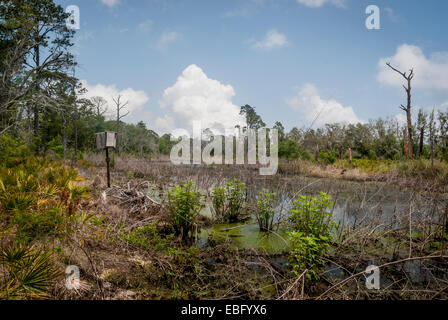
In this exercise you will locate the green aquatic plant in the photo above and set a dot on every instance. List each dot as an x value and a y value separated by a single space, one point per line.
310 238
184 205
265 210
229 201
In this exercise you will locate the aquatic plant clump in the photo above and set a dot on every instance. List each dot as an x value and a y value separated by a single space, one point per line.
184 204
229 201
310 237
265 210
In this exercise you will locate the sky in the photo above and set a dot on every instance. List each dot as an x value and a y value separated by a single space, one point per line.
300 62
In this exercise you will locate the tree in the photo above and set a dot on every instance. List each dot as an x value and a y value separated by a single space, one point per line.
119 106
443 134
35 54
253 120
421 127
100 105
281 130
432 131
407 109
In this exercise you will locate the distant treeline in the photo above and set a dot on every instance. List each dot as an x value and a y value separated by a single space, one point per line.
42 109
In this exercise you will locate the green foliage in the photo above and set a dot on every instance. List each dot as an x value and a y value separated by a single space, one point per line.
219 203
184 204
12 151
228 201
265 211
307 252
145 237
27 272
288 149
34 225
253 119
310 237
37 196
306 156
327 157
56 146
165 144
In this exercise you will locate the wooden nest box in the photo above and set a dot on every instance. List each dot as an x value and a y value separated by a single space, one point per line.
106 140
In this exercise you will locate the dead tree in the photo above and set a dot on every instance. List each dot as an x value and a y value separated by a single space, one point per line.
100 105
407 109
119 107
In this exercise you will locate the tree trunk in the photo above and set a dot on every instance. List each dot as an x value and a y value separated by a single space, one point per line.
405 144
432 150
36 105
407 109
76 131
118 134
410 143
44 128
422 136
64 135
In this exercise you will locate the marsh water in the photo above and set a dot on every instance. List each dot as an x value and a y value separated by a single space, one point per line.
355 203
376 205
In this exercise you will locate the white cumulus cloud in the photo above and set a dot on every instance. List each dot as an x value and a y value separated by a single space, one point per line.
430 72
272 39
320 3
110 3
136 100
196 97
308 102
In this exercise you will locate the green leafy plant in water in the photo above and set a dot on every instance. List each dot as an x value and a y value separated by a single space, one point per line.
219 203
265 210
229 201
184 205
310 237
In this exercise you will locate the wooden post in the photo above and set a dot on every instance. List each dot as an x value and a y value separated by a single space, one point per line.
350 156
106 140
108 167
317 153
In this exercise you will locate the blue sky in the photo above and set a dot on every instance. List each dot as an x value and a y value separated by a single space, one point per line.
291 59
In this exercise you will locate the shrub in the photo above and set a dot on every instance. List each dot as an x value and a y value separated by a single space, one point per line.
228 201
27 272
184 204
219 203
34 225
145 237
310 237
306 156
56 146
265 211
327 157
12 151
37 195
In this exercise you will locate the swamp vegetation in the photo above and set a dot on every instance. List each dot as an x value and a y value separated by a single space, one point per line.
214 232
